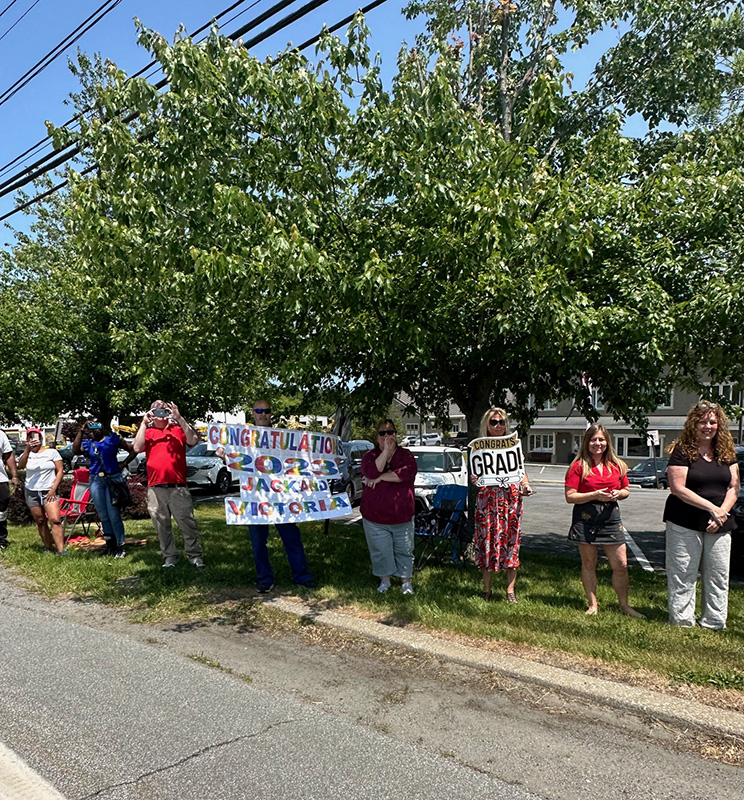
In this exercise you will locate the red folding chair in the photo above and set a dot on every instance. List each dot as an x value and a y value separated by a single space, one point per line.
78 509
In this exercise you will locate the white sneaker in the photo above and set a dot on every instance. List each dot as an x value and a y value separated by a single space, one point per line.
384 586
406 587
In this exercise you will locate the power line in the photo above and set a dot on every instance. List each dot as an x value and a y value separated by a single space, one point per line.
257 39
47 139
8 7
19 18
56 52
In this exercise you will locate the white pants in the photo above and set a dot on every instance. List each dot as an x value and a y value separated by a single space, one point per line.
686 552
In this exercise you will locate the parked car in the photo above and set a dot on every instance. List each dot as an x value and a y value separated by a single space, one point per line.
642 474
437 465
354 452
460 439
430 439
205 469
70 461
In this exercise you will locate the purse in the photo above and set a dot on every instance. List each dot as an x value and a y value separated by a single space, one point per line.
121 497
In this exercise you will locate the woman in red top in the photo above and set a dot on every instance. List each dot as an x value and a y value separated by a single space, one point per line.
595 482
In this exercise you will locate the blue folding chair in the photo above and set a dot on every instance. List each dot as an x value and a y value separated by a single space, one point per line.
443 532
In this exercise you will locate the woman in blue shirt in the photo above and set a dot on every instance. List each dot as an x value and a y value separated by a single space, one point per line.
104 467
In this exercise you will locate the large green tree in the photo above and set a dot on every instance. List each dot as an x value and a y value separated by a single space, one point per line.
480 227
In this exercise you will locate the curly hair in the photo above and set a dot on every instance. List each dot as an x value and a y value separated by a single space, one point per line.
608 457
723 443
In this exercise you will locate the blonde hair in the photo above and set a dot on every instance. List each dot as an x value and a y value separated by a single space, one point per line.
487 416
608 457
723 444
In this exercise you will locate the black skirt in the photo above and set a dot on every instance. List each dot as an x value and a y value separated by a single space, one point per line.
596 523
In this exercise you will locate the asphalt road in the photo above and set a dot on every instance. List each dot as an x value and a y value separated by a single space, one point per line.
100 714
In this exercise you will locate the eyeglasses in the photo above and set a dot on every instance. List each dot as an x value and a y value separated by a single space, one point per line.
386 433
496 422
262 410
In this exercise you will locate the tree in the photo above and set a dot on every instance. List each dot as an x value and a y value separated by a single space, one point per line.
478 229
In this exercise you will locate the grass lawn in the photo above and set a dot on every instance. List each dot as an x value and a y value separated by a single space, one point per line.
549 615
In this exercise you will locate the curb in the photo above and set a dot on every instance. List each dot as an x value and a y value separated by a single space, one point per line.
19 782
673 710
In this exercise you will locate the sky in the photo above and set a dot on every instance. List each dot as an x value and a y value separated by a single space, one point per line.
48 22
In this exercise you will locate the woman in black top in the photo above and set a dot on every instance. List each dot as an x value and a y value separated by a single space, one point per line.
704 485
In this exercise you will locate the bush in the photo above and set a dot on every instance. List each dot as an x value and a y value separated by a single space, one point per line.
138 490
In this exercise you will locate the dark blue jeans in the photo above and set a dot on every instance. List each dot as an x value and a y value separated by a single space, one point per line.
290 534
113 527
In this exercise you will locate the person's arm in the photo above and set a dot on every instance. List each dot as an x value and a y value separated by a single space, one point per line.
575 497
192 435
10 466
128 447
77 442
678 487
23 460
524 486
58 475
732 495
139 437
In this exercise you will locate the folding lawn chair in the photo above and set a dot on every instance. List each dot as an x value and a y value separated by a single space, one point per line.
444 532
78 508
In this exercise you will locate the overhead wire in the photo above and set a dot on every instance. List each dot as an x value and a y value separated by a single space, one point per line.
104 9
246 44
36 3
8 7
46 141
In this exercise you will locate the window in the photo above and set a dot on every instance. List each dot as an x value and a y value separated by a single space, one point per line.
541 443
412 427
597 400
631 447
548 405
668 401
722 391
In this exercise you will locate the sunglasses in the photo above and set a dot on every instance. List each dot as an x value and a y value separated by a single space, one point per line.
262 410
386 433
495 422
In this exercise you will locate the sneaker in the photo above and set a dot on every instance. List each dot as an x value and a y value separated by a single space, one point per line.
309 585
265 588
168 565
120 553
384 585
406 587
64 552
197 562
3 548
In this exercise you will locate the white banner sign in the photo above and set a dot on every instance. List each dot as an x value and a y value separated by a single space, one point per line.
497 460
285 476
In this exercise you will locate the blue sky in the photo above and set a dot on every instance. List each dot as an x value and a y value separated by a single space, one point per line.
22 118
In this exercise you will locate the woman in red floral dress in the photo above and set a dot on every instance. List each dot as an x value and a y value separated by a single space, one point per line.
498 518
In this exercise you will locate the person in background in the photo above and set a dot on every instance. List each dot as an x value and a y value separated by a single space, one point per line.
498 519
388 508
101 449
704 486
44 473
7 464
289 533
595 482
162 437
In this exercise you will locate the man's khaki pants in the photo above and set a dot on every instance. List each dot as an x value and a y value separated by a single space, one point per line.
164 502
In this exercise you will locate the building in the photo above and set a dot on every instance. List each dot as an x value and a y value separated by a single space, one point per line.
555 436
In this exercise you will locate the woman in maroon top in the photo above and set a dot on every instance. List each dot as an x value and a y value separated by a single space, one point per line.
387 508
595 482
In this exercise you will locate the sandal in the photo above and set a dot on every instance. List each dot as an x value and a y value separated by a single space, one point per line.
511 597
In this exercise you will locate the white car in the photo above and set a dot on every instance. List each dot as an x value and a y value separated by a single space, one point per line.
436 466
204 468
425 439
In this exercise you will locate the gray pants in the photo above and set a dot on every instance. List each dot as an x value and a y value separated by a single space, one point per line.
686 552
390 548
164 502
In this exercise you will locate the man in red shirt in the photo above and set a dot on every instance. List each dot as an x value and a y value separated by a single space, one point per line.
163 436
